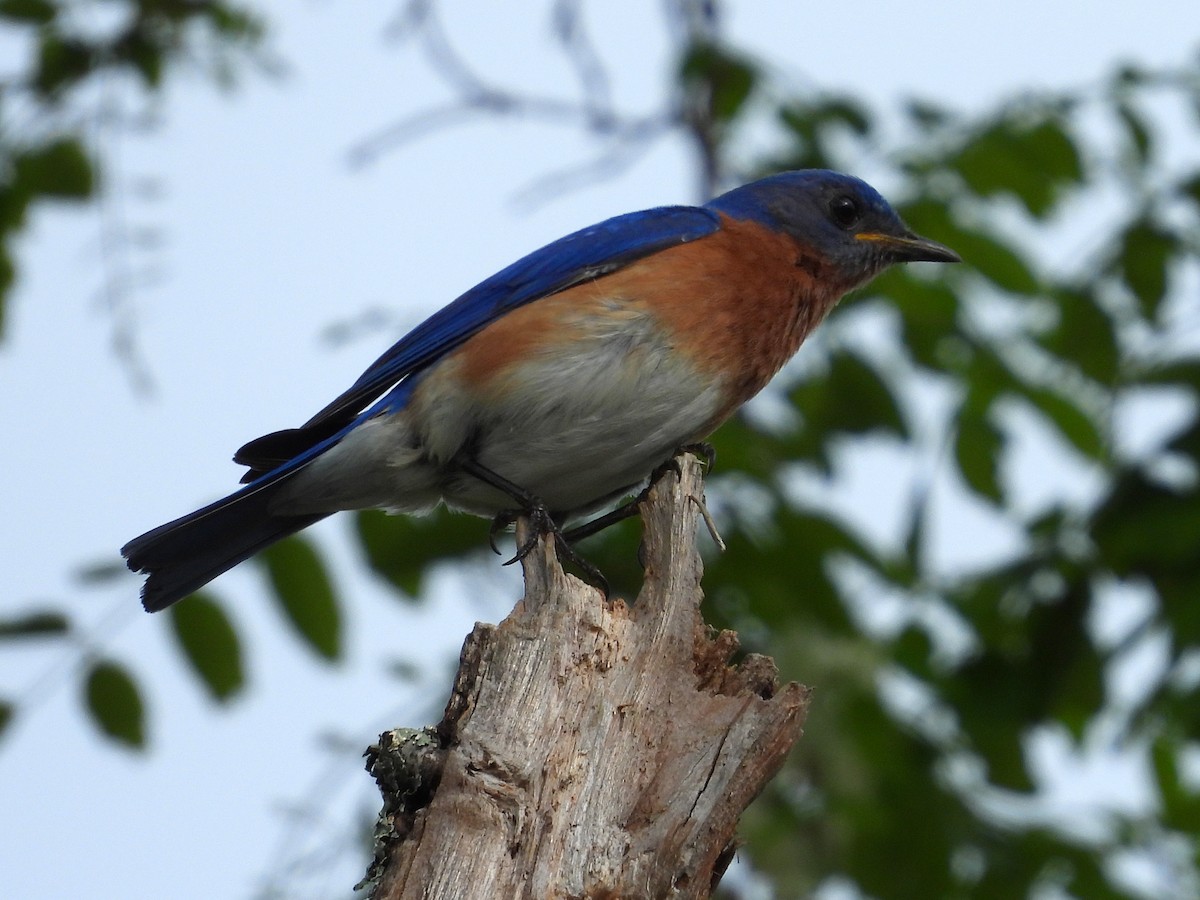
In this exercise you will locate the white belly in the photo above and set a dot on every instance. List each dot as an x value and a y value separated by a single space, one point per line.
574 429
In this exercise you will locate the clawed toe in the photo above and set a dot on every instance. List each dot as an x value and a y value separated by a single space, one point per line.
502 520
541 523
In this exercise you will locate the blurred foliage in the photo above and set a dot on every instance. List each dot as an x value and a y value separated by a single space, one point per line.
995 387
301 584
48 147
86 66
210 644
114 703
937 796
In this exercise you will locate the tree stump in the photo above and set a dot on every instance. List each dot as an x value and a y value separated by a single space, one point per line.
590 749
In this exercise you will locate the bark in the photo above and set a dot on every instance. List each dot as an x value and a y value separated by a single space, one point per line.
590 749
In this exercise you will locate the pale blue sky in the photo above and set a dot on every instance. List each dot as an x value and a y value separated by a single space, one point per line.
268 238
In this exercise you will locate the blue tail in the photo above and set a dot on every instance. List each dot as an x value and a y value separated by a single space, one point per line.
183 556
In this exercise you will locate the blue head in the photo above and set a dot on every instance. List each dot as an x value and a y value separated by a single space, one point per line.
841 219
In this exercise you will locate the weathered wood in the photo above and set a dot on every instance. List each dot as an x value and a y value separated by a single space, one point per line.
590 749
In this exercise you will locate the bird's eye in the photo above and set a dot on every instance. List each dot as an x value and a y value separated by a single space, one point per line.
844 211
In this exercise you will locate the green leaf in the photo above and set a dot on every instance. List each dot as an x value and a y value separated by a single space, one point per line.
808 120
1181 805
1187 441
234 23
927 115
1038 665
782 576
210 644
7 711
60 168
742 447
1085 336
45 623
144 50
928 313
1053 151
103 572
1034 164
1128 75
1172 705
851 398
115 704
14 203
847 112
912 649
978 444
888 766
31 12
305 594
1075 425
403 548
868 403
723 77
1145 528
1146 250
1191 188
997 260
1137 131
993 700
1178 586
1066 669
819 127
61 62
1185 372
614 551
989 376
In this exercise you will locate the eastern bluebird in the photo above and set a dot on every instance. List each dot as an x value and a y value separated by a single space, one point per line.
559 384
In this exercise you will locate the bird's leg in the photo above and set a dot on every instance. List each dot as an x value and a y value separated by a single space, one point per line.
529 503
540 518
630 508
626 510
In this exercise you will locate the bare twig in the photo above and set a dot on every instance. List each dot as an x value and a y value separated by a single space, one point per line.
625 137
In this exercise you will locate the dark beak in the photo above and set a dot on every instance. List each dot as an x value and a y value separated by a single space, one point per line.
909 247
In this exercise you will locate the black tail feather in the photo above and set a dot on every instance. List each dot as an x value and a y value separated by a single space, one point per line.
183 556
271 451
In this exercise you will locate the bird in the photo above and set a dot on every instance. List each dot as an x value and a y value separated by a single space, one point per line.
558 385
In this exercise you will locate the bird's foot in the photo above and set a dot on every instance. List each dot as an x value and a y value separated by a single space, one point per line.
541 523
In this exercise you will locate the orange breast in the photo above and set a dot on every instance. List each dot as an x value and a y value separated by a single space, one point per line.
737 304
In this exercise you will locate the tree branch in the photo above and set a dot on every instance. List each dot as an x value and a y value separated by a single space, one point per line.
589 749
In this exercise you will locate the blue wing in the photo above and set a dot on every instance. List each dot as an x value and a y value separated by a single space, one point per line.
184 555
583 256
